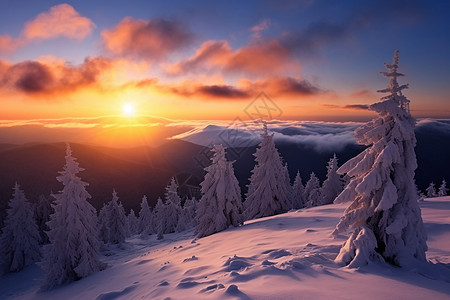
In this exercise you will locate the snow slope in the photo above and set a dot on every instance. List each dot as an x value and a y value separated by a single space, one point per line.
289 256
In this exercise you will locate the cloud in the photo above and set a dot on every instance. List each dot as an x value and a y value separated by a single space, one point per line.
60 20
9 44
286 86
264 58
348 106
321 136
259 28
153 39
38 77
225 91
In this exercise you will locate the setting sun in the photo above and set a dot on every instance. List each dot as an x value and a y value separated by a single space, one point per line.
128 109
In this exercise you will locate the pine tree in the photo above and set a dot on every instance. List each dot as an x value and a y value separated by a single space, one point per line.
19 241
190 209
333 185
384 212
133 222
298 192
42 211
443 189
312 191
103 219
145 227
268 192
431 191
221 204
172 193
116 221
184 221
159 219
172 207
74 246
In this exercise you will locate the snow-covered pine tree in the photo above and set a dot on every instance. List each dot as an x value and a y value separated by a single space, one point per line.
221 203
73 251
19 241
173 206
443 189
431 190
268 192
172 213
384 214
146 217
133 222
333 185
172 193
42 211
159 218
190 209
298 192
116 221
184 221
287 184
103 219
312 191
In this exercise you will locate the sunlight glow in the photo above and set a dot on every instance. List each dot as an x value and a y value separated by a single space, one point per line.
128 109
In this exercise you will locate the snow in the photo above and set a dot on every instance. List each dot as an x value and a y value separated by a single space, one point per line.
288 256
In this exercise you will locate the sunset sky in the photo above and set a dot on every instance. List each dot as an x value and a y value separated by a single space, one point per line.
187 60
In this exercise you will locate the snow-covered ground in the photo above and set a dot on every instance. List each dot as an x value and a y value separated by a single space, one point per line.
289 256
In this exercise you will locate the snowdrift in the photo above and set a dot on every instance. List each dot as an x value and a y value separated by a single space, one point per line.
289 256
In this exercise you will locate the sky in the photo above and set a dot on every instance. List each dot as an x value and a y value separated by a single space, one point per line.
219 60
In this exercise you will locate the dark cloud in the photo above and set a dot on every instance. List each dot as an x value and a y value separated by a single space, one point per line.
29 77
348 106
153 39
34 77
287 86
223 91
311 40
357 106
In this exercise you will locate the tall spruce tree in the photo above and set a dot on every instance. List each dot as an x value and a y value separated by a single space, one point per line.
42 211
443 189
384 214
312 191
221 203
146 226
19 241
73 252
298 192
333 185
269 191
133 222
117 225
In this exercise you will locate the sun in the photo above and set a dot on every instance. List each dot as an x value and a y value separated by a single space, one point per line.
128 109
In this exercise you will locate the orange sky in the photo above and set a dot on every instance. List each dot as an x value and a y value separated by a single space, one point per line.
161 66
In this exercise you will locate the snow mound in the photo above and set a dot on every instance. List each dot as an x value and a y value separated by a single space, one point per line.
289 256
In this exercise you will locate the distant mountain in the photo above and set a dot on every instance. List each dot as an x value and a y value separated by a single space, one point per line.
134 172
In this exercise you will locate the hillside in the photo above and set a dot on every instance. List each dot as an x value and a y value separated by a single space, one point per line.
289 256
